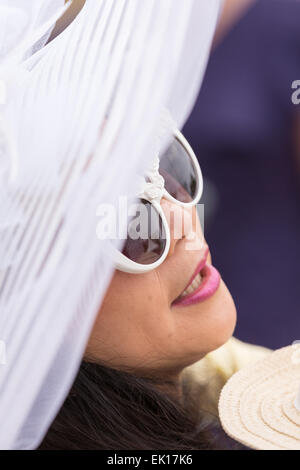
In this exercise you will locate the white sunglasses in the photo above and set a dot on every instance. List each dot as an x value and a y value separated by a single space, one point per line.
176 176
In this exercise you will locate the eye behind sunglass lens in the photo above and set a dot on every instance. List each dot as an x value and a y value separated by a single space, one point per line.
179 172
146 235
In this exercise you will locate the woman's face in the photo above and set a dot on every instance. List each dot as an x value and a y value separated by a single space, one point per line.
142 328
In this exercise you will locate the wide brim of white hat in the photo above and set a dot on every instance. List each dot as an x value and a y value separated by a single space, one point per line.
257 405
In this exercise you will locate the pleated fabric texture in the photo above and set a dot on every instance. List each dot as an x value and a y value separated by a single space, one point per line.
78 117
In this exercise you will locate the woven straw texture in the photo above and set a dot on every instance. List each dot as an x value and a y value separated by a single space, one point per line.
257 405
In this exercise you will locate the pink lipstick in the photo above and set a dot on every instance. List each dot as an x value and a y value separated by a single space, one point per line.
203 285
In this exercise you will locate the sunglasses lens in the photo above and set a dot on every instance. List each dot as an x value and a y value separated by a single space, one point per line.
146 236
179 172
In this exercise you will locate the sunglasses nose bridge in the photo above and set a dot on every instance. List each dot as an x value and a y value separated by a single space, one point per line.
153 187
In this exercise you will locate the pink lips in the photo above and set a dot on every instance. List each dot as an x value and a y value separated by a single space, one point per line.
208 287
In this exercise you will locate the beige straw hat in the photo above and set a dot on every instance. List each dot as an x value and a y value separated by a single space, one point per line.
260 405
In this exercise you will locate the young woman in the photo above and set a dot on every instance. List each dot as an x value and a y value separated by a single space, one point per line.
160 350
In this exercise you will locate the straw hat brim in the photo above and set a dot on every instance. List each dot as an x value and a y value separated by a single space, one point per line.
257 405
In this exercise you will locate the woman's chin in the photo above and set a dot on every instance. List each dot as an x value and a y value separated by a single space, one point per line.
211 323
223 318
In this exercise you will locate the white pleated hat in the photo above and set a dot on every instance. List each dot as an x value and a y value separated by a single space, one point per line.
81 101
260 405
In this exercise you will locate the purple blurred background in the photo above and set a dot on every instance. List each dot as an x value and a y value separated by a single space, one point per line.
244 130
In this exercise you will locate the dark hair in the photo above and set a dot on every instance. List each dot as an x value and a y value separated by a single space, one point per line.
111 410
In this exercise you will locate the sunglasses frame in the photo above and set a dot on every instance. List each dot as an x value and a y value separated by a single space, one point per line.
124 264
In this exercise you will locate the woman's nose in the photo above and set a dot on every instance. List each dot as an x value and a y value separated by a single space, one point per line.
184 225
